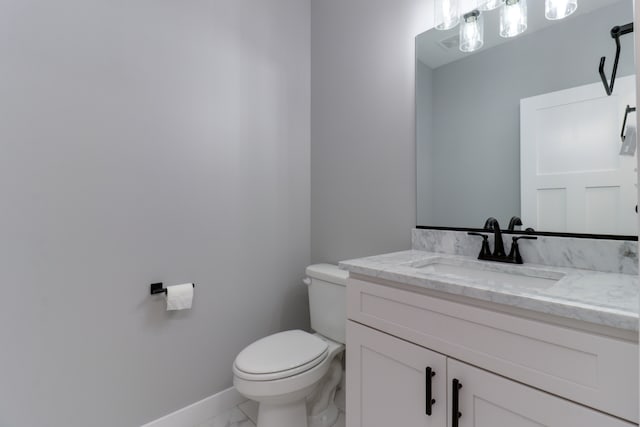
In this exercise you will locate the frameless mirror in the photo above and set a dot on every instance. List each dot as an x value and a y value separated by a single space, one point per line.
523 125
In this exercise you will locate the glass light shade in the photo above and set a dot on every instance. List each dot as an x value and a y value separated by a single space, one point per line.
490 4
513 18
446 14
558 9
471 31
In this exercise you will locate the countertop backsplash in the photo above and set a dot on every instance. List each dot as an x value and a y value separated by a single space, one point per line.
610 256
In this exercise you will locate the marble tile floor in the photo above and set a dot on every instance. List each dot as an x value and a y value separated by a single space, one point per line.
246 414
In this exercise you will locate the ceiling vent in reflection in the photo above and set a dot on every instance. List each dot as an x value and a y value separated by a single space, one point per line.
450 43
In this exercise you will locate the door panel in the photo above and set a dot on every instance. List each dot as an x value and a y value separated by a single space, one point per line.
489 400
387 383
572 176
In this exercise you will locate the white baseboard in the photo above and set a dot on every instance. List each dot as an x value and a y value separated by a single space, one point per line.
199 412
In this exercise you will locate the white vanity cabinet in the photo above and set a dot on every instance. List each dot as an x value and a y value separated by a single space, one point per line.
514 371
389 383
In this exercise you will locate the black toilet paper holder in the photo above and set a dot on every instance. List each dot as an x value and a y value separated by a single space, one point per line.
158 288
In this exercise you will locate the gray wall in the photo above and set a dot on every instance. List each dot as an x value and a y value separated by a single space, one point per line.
363 127
475 146
143 141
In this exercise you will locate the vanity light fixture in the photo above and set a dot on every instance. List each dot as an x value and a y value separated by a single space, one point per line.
559 9
491 4
471 31
513 18
446 14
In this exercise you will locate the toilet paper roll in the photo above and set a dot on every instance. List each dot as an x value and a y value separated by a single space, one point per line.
179 297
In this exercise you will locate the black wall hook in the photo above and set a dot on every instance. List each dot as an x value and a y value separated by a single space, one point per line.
624 123
616 32
157 288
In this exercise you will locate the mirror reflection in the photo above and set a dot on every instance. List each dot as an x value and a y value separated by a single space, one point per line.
522 126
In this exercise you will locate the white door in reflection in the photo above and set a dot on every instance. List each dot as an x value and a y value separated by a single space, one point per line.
573 176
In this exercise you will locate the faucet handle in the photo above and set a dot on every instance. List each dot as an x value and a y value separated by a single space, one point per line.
514 253
485 251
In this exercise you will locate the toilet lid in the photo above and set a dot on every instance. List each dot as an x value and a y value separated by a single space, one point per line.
281 353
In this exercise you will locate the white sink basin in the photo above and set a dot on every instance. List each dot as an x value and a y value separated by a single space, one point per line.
475 270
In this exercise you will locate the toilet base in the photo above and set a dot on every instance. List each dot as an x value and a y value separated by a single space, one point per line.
326 418
293 414
321 406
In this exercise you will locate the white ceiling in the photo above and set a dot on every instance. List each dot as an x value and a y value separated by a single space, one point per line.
431 51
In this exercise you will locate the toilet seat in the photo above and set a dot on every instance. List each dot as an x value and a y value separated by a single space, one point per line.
281 355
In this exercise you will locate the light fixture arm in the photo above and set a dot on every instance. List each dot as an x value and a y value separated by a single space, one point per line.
616 32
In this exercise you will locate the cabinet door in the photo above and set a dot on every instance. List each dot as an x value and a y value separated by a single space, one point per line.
388 381
489 400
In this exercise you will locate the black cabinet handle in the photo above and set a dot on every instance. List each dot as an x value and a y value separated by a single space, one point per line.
455 409
429 401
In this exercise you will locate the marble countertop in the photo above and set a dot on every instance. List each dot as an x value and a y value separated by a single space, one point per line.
609 299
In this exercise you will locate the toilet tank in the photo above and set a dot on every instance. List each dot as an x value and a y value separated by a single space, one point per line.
328 300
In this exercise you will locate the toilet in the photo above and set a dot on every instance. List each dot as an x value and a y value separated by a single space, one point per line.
293 375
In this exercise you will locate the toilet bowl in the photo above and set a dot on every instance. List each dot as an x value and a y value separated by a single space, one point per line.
283 387
293 375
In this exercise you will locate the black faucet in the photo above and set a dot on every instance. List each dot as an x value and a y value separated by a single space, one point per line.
498 244
498 253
